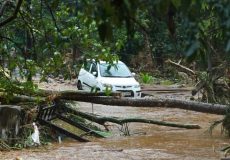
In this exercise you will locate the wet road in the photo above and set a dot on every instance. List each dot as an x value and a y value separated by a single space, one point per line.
147 141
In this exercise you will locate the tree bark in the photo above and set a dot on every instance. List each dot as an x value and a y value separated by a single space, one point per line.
115 99
20 98
49 95
153 102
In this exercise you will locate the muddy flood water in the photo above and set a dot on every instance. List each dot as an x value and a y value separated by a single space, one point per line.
147 141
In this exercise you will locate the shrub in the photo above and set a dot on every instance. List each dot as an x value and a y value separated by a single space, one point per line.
146 78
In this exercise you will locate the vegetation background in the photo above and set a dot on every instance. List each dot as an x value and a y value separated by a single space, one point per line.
53 38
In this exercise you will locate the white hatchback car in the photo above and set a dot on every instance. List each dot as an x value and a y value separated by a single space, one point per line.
102 76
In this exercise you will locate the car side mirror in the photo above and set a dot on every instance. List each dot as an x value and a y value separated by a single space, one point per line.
95 74
134 74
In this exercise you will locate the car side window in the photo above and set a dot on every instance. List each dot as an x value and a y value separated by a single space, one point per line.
94 68
87 66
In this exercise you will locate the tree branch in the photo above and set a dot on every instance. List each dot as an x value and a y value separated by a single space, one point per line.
53 18
44 27
12 41
30 31
14 15
3 7
102 120
181 67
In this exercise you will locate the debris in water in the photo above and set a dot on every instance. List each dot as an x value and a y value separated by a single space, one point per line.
59 139
35 135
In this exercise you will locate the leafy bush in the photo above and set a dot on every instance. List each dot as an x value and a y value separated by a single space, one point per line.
146 78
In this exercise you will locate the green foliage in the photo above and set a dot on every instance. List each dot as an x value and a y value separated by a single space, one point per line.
94 89
108 90
44 31
26 140
166 82
10 87
146 78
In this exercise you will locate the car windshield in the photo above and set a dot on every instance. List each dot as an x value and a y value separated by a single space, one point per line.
118 70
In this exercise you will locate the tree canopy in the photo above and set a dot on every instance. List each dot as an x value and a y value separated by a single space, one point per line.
51 36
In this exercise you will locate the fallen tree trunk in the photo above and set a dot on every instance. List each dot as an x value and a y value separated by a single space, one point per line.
48 96
168 90
74 94
115 99
102 120
153 102
20 98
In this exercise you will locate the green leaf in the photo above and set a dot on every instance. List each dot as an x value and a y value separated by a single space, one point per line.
185 5
54 4
163 7
127 4
176 3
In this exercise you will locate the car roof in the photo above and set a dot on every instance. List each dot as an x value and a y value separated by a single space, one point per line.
113 62
100 61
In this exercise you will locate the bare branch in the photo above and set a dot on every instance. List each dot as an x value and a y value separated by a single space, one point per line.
181 67
14 15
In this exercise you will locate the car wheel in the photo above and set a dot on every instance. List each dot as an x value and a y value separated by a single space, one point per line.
79 85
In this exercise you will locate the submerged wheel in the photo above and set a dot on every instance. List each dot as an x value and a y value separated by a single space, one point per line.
79 85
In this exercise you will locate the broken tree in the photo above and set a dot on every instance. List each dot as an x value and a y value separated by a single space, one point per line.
146 102
115 99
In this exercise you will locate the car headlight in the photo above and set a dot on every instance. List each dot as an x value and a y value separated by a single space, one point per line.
137 86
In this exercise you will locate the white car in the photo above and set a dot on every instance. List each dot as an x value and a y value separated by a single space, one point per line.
102 76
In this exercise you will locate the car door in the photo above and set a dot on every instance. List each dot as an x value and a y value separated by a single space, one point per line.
84 75
92 79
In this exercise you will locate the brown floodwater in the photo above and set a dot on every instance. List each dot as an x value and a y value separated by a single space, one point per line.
147 141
